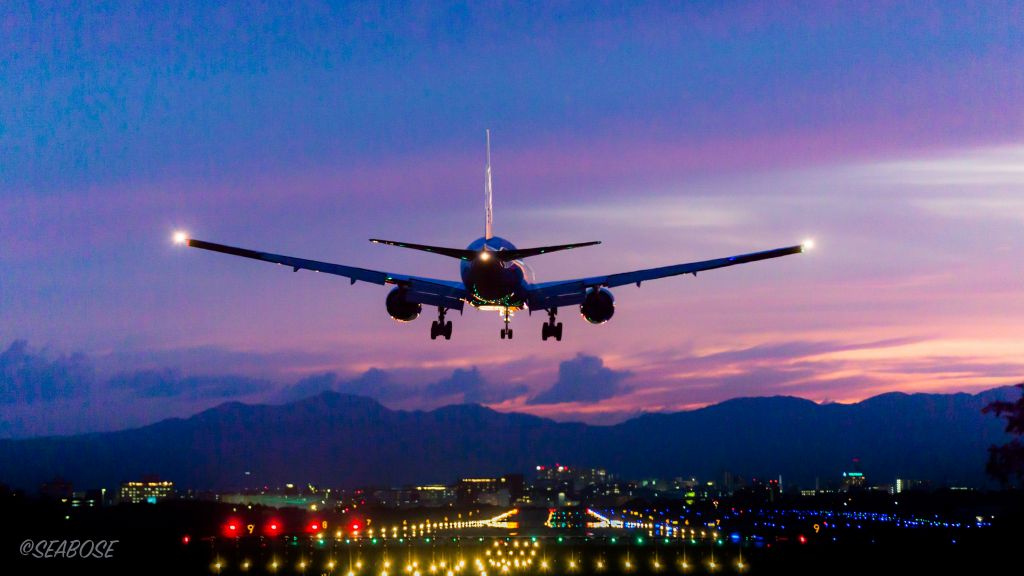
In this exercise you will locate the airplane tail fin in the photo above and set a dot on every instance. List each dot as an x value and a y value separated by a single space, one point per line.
488 194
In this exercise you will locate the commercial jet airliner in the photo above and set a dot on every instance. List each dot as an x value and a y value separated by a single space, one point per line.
494 277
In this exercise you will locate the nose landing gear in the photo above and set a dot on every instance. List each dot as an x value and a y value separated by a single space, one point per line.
550 329
506 332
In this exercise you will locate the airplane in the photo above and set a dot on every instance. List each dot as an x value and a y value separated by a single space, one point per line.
494 277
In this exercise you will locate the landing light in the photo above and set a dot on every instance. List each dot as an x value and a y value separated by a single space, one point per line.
180 237
485 256
807 245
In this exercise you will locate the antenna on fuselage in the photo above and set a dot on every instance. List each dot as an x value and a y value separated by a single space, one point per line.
488 193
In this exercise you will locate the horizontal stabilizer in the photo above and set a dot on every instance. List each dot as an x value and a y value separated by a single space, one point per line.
527 252
503 255
460 253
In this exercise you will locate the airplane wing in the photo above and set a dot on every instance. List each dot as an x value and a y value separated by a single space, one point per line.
430 291
569 292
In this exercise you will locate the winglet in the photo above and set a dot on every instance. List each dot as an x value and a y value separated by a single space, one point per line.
488 193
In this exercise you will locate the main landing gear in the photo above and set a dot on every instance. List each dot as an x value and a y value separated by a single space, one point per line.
550 329
506 332
441 328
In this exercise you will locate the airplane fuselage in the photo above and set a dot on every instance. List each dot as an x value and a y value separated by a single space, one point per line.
492 282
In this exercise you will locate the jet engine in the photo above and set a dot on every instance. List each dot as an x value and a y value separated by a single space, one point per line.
598 306
401 309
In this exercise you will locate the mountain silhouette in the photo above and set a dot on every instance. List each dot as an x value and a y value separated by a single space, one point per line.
342 440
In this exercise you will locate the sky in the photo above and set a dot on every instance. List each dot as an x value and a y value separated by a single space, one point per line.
892 134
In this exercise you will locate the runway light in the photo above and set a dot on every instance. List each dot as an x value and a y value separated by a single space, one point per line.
180 237
807 245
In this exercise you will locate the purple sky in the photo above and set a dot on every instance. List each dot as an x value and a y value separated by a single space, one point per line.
893 135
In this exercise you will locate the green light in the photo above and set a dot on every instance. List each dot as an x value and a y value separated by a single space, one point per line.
639 540
533 538
614 540
374 541
427 540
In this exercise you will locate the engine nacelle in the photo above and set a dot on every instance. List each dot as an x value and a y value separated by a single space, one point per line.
399 308
599 306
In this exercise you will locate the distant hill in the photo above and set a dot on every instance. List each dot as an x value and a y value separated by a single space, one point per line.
341 440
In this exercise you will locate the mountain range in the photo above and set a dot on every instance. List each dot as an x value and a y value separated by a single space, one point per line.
343 440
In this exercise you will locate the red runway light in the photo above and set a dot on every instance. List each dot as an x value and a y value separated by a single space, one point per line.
272 528
232 528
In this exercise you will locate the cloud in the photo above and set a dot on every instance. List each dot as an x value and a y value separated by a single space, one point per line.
169 383
798 349
28 377
473 388
308 386
583 379
379 385
462 385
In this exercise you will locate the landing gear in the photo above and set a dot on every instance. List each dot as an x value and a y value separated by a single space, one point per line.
439 327
550 329
506 332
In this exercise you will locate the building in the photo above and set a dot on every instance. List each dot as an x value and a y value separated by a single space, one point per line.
57 489
147 491
909 485
854 479
486 490
435 495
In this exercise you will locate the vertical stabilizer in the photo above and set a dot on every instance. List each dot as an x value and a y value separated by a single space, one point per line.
488 192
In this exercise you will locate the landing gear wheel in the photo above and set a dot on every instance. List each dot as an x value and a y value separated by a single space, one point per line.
439 327
509 333
503 331
549 329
